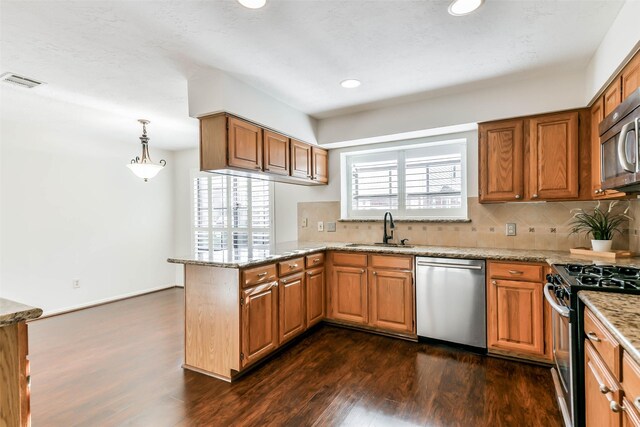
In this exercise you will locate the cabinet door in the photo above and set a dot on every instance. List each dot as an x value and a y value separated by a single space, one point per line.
600 392
553 157
320 165
259 322
349 294
14 374
292 307
630 77
391 300
501 161
612 96
597 114
244 145
514 316
300 159
315 296
276 153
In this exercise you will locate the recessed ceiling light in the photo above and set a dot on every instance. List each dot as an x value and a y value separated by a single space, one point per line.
464 7
350 83
253 4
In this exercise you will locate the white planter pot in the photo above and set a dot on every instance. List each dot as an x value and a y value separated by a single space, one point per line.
601 245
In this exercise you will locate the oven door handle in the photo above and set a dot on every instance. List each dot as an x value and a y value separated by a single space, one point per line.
622 148
563 311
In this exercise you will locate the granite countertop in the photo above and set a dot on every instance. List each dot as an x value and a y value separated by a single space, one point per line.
230 259
12 312
620 313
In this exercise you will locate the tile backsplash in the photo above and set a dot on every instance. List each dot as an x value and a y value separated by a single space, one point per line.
539 226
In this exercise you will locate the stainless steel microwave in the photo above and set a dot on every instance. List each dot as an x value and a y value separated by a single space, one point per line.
620 147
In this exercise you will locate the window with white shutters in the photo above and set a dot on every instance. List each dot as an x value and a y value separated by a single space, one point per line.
423 181
232 214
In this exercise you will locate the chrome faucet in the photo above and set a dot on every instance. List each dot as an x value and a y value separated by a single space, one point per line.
386 236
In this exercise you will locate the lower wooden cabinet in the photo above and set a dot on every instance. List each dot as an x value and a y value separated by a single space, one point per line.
315 296
349 294
631 391
14 376
292 307
259 322
391 300
601 392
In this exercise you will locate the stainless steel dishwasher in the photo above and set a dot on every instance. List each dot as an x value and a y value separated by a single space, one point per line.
450 300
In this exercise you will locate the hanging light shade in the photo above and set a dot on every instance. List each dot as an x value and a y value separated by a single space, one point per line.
143 167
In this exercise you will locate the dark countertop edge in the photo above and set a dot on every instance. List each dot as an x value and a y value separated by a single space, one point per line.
414 220
17 314
626 345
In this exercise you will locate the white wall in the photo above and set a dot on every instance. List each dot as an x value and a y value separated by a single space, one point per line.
618 45
70 209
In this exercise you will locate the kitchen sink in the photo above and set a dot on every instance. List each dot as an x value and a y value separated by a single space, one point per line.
386 245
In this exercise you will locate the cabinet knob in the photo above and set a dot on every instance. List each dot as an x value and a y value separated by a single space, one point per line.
493 282
593 337
615 407
534 196
375 273
517 196
284 280
604 389
362 271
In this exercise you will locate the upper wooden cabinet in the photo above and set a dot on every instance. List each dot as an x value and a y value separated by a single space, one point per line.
534 158
234 146
276 153
300 159
630 77
501 154
553 156
612 97
319 165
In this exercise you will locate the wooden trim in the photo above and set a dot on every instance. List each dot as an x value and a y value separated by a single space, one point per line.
207 373
372 329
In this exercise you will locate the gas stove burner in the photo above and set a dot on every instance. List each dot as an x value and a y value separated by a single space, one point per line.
628 271
600 270
588 280
619 283
574 268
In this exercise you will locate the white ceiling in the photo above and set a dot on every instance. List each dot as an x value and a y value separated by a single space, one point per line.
131 59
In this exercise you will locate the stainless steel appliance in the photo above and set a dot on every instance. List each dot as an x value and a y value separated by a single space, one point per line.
620 146
561 291
450 300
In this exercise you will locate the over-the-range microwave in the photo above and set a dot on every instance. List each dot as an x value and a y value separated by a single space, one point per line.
620 147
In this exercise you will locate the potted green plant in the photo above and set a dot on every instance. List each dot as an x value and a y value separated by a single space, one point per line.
601 224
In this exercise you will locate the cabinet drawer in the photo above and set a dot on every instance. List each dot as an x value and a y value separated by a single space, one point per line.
314 260
257 275
395 262
520 272
290 266
631 382
601 390
607 347
349 259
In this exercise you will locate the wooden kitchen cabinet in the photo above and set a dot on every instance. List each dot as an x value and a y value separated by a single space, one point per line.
601 392
597 115
349 294
612 96
292 307
553 157
630 77
391 296
501 152
259 322
276 153
300 159
320 165
245 145
315 296
14 376
631 391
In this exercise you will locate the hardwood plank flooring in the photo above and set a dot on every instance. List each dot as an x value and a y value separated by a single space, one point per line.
119 364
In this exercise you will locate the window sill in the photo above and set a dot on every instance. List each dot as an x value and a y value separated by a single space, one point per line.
414 220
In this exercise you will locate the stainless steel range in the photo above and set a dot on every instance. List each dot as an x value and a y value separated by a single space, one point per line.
561 291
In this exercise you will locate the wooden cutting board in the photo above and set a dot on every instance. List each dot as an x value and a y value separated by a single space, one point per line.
609 255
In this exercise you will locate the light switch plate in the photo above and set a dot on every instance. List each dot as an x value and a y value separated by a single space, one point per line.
320 226
510 229
331 227
305 222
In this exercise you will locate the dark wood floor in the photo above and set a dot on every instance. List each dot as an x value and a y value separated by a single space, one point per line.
119 364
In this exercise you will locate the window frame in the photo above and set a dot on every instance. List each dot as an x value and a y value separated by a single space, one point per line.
437 148
229 230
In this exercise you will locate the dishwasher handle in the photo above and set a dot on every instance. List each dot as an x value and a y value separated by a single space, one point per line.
443 265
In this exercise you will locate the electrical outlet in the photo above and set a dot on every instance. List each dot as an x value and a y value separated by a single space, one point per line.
76 283
510 229
305 222
320 226
331 227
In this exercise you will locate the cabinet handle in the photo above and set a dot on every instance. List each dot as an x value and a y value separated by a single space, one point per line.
515 272
361 270
534 196
317 260
593 337
493 282
615 407
375 273
284 280
517 196
292 266
309 273
262 274
604 389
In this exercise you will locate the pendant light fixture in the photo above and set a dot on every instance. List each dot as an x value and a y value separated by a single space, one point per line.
144 167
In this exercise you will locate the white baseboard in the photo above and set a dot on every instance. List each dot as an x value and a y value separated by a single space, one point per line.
104 301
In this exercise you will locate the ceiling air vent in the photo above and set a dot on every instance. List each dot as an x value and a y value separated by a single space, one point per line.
20 80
